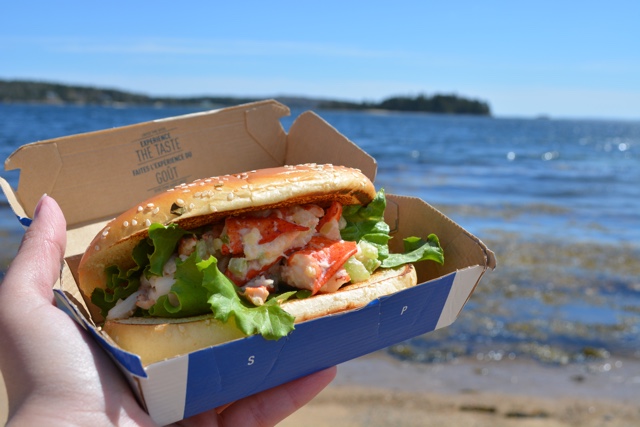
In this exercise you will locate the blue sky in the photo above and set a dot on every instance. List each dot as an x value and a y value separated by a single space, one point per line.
525 58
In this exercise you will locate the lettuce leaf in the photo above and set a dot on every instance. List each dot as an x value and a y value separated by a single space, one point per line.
118 287
187 291
165 240
201 288
416 249
367 223
120 282
366 220
268 320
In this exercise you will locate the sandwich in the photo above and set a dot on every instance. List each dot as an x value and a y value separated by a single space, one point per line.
252 253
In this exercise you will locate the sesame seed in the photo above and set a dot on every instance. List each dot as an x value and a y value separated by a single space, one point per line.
134 222
191 206
156 210
126 223
230 196
147 222
180 202
140 208
96 247
150 205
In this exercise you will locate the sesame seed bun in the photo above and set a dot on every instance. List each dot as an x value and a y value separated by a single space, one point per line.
156 339
208 200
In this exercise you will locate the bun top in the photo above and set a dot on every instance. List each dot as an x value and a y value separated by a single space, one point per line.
207 200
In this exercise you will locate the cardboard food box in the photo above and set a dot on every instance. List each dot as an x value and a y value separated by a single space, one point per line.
95 176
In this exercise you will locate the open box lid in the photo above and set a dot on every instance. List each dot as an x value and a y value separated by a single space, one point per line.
95 176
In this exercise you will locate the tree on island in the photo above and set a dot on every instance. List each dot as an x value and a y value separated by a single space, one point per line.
55 93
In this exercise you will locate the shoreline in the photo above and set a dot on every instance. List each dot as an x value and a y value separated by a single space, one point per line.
377 390
617 379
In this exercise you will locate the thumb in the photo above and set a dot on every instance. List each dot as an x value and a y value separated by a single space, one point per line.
36 267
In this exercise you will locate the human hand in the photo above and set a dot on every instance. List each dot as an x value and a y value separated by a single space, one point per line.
56 374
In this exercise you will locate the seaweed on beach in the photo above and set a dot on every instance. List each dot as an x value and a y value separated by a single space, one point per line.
551 301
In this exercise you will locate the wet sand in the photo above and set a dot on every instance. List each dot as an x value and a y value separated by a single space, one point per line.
378 391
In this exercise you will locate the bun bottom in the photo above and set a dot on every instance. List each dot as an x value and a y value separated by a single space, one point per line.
156 339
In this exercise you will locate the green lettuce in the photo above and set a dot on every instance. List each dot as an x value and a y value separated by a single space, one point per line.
165 240
367 223
269 320
188 292
415 250
121 283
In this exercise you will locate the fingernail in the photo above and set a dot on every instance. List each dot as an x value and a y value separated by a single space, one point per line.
38 206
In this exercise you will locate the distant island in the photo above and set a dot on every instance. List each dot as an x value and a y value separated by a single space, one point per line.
15 91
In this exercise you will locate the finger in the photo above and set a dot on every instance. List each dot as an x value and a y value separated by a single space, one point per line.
272 406
36 266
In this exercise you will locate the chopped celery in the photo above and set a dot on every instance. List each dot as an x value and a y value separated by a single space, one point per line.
238 266
368 256
356 270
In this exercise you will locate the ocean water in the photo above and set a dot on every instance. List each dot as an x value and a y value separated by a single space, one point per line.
557 200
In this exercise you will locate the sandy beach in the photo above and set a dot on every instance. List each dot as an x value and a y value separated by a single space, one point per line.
378 391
